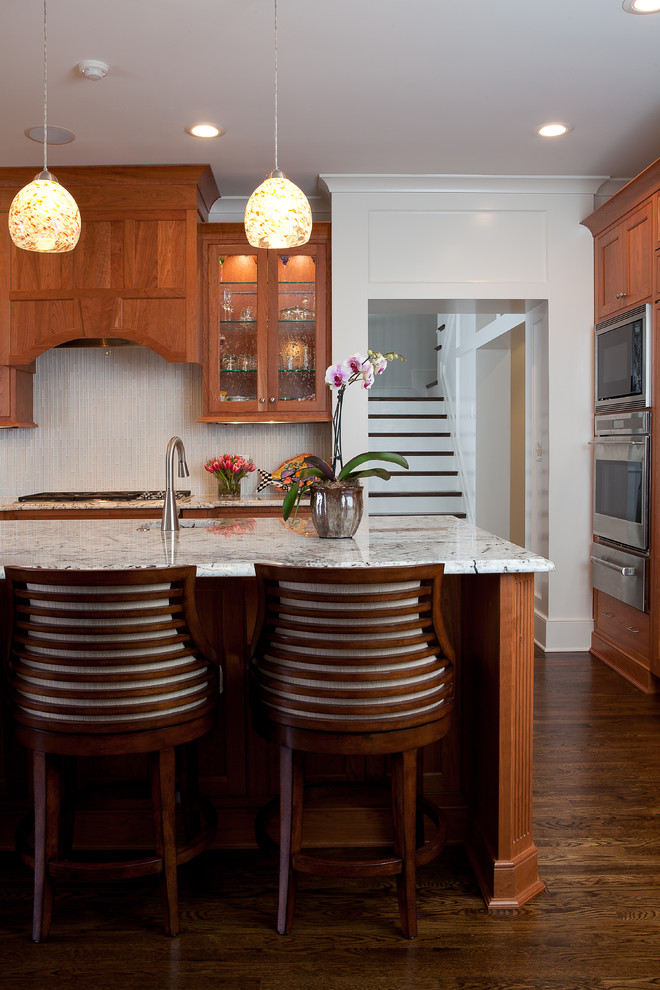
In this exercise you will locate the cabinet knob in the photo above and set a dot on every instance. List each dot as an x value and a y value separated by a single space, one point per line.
262 399
272 399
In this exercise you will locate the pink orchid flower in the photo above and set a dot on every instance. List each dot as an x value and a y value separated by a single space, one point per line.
357 362
337 375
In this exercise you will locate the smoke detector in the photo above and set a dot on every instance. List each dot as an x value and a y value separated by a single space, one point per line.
91 68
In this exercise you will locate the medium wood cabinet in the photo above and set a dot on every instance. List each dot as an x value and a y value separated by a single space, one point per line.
626 232
15 397
622 638
266 328
624 263
132 274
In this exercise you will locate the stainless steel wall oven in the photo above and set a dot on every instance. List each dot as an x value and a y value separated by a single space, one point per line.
621 504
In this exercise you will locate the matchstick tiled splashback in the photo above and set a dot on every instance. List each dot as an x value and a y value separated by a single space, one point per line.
105 418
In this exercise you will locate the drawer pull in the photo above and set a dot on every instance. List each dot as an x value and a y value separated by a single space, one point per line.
632 629
608 615
623 571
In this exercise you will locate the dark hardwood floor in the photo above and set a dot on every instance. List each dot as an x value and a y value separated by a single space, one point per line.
596 927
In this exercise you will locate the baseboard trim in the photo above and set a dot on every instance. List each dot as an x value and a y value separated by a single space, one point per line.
562 635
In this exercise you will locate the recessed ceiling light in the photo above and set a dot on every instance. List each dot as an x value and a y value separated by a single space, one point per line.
553 130
55 135
641 6
205 130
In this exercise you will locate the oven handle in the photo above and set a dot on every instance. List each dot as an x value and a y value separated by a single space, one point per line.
619 439
623 571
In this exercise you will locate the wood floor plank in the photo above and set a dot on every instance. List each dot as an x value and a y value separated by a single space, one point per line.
596 926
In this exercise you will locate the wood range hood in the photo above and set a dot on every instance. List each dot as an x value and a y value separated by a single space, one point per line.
132 278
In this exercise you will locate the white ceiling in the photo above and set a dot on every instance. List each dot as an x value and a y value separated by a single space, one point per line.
365 86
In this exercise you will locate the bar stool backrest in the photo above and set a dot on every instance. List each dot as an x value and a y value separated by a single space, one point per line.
107 651
351 650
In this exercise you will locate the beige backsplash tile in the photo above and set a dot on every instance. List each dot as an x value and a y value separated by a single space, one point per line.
105 418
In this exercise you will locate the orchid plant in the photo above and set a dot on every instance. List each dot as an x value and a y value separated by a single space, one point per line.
356 369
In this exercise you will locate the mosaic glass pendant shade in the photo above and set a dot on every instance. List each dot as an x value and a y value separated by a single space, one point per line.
278 214
44 217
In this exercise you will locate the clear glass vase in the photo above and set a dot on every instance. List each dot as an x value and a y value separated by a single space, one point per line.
229 488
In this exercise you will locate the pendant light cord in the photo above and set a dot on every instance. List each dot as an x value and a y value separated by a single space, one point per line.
275 83
45 92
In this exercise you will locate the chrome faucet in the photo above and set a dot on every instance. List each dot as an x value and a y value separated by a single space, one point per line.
170 521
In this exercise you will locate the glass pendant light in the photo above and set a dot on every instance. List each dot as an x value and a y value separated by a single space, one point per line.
278 214
43 216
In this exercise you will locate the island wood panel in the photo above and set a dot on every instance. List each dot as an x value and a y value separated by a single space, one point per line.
155 511
481 774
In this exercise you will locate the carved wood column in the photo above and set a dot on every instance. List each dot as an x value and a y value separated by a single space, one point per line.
498 666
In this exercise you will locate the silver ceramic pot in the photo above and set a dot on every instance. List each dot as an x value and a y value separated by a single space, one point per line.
336 509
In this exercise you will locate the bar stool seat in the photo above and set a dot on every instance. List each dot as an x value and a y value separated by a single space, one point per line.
352 661
106 663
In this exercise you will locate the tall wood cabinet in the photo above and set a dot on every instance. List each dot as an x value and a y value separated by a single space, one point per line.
624 263
133 273
266 328
626 233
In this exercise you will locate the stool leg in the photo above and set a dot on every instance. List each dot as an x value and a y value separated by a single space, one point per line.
404 812
292 777
46 778
164 807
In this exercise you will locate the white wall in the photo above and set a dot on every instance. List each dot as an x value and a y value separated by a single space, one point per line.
476 237
493 440
414 336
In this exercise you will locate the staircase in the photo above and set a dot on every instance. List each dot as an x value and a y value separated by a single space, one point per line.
414 426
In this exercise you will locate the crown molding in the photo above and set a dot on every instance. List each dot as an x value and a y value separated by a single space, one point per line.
330 184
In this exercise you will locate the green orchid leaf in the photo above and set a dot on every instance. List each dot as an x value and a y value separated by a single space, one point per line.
370 473
290 500
377 455
322 465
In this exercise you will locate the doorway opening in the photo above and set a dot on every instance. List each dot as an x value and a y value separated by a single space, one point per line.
470 405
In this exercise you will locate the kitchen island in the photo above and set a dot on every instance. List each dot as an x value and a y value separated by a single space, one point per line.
481 774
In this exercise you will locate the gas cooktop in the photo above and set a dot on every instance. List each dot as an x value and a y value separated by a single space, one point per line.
98 496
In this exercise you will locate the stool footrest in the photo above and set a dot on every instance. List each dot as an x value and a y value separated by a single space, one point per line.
324 866
112 869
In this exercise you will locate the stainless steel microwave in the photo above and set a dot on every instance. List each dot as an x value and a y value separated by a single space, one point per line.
622 361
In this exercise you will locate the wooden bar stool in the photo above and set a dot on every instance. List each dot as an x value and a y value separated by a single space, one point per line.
352 661
103 663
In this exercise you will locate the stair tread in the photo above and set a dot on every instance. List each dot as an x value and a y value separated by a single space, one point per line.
407 415
408 434
422 453
384 515
399 494
406 398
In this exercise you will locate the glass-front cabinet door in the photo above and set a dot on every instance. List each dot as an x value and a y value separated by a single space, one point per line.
236 300
296 348
267 328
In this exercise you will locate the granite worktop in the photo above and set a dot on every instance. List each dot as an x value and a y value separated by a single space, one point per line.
230 547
